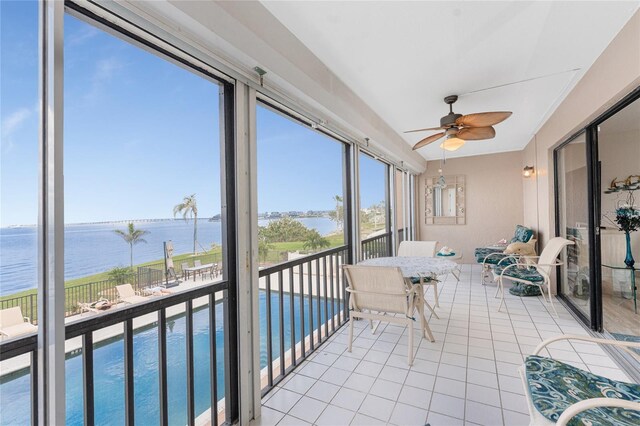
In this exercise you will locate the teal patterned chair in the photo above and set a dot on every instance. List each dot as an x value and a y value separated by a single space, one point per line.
560 394
527 273
489 256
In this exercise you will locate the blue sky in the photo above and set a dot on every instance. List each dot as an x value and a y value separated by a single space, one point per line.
141 133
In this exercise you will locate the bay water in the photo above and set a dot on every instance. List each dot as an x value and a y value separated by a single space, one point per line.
95 248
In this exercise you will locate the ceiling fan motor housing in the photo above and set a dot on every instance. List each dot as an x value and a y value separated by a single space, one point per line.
449 120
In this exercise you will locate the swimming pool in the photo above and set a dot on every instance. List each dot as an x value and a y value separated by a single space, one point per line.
109 369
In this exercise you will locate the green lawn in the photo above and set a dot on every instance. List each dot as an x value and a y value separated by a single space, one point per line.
276 255
188 257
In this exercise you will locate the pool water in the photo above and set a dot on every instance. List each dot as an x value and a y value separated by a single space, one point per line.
108 358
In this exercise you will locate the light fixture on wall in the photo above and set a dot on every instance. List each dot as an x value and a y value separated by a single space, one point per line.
528 171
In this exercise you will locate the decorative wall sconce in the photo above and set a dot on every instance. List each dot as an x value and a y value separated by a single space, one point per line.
528 171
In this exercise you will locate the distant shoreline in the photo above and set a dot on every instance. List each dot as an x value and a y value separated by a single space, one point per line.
171 219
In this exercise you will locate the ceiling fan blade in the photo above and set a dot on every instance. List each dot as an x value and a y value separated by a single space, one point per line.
423 130
483 119
476 133
428 140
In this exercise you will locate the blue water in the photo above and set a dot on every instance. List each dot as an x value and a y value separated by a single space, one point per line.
109 368
91 249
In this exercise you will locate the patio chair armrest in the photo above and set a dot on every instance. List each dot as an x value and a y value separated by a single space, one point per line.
27 319
588 404
621 343
548 264
350 290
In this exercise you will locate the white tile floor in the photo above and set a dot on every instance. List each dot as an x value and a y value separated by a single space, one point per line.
467 376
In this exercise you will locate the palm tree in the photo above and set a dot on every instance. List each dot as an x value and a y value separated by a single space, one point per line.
315 241
338 200
188 208
132 237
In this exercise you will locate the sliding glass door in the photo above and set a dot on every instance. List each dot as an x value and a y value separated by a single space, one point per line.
619 165
573 222
597 193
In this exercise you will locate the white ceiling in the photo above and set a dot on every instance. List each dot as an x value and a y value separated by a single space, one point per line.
402 58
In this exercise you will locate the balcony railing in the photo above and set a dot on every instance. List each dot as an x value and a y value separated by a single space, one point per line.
150 275
378 246
131 326
304 302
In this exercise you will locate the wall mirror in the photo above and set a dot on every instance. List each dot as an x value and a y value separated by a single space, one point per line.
444 201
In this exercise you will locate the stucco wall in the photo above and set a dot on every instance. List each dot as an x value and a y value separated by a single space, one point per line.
494 203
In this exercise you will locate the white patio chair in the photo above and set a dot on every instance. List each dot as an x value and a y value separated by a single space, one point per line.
380 293
13 323
527 271
417 248
557 392
421 249
128 295
185 273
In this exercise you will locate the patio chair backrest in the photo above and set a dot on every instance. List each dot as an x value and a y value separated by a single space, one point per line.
184 265
377 288
11 316
197 263
551 252
125 290
417 248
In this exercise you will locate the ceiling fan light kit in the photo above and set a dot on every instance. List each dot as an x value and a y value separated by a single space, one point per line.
452 143
459 128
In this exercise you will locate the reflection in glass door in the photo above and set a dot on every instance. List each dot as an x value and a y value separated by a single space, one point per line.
619 155
573 222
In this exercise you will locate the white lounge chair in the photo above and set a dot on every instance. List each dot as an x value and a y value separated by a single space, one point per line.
13 323
383 290
557 392
128 295
98 306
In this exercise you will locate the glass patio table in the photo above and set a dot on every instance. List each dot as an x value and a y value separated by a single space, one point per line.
197 269
632 273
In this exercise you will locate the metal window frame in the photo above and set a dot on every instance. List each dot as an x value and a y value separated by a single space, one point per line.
596 319
592 277
48 368
51 330
347 190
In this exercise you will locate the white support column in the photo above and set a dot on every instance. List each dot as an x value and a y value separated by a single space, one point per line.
355 204
247 210
406 206
412 206
51 328
392 186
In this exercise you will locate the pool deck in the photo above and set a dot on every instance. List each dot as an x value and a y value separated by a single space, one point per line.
75 344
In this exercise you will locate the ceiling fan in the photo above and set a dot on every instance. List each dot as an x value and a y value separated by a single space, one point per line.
458 128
